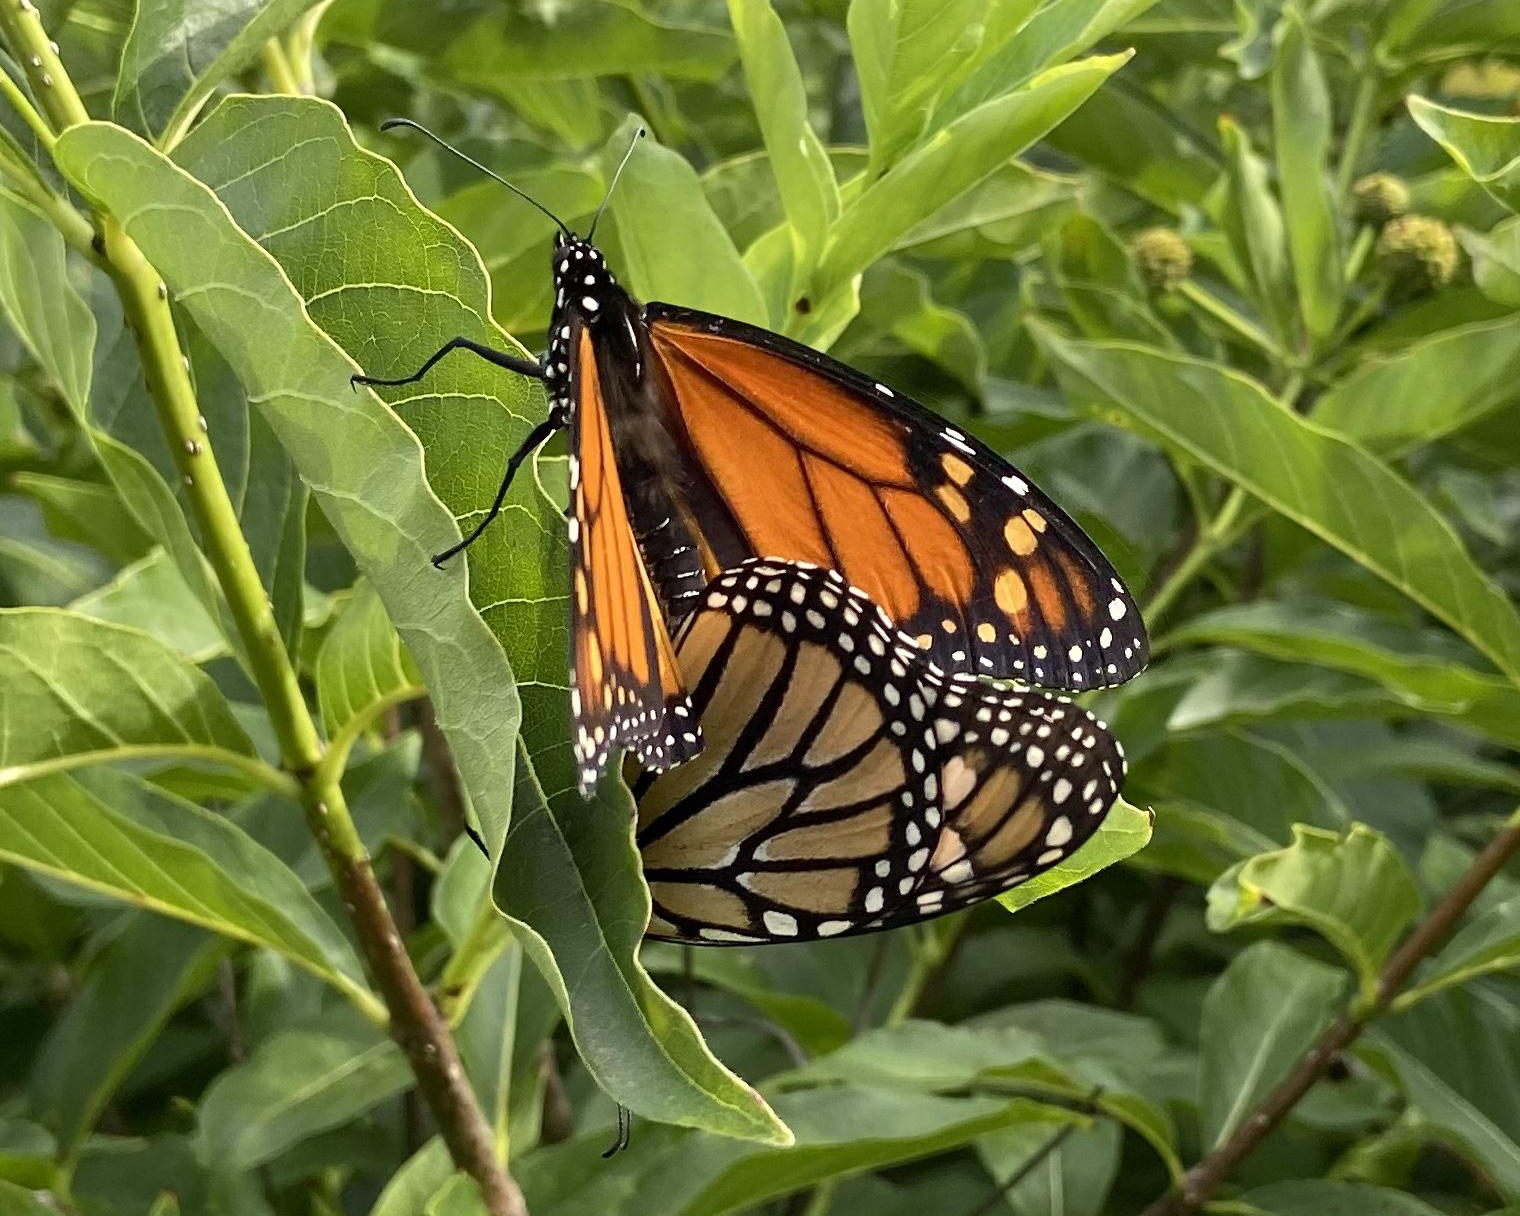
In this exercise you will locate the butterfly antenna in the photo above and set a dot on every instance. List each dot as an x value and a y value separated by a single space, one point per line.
392 123
595 219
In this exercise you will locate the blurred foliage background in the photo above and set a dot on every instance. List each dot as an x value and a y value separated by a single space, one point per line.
1236 281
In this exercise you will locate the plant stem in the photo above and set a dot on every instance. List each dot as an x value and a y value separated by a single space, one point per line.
1362 113
277 68
1214 536
1201 1182
28 112
414 1021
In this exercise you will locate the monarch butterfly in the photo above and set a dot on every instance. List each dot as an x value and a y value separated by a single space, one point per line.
848 784
698 442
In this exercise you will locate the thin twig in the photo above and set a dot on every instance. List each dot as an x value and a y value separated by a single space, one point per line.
1201 1182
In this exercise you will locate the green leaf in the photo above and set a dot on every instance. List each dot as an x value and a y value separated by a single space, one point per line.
1076 1177
1303 126
897 300
1013 54
1454 1058
1426 677
151 596
1495 261
568 880
1435 386
599 38
1323 1197
85 511
660 193
57 326
114 834
804 177
1125 831
1260 1018
1488 942
22 1201
363 464
178 51
79 691
361 668
904 54
133 986
1485 147
298 1083
959 156
415 1182
840 1130
1353 890
1253 221
1316 478
49 317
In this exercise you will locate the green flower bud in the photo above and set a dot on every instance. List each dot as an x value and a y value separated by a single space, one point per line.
1417 254
1378 198
1162 257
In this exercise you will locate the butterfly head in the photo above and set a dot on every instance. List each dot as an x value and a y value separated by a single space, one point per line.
582 283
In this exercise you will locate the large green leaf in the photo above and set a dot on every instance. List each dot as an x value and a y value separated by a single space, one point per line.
1353 890
1259 1019
79 691
568 878
960 155
1434 386
114 834
840 1130
134 984
1486 147
299 1082
364 465
1303 126
1315 477
178 51
804 177
1427 677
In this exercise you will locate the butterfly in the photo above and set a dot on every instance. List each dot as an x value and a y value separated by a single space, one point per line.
848 784
698 442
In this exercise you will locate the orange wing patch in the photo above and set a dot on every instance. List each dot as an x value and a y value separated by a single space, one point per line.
626 688
811 462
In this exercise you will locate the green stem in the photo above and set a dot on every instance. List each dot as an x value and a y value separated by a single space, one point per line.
415 1022
277 68
1212 537
71 224
1362 113
934 945
1211 305
23 106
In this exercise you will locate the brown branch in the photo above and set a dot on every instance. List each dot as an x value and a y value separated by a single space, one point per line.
1201 1182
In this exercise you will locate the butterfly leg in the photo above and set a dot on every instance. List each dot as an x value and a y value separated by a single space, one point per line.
523 367
535 440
